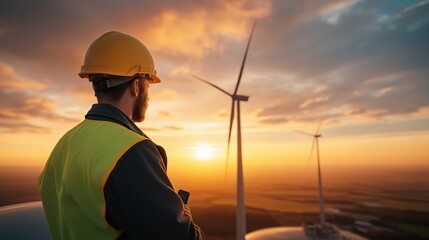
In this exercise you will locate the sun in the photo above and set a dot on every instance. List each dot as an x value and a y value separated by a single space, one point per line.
203 151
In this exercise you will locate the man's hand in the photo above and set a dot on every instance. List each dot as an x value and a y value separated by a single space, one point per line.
187 211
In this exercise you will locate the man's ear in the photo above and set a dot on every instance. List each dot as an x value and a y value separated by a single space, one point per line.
135 87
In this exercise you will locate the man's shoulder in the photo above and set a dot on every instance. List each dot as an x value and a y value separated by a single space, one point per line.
106 131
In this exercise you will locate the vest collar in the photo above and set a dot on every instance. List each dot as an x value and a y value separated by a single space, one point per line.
107 112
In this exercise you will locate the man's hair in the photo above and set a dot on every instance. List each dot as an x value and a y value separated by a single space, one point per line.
113 93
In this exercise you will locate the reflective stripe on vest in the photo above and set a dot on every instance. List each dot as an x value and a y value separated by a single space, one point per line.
72 183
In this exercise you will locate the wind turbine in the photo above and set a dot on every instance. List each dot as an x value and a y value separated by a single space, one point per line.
316 137
236 98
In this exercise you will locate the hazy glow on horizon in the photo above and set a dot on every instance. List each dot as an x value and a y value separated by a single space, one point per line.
360 65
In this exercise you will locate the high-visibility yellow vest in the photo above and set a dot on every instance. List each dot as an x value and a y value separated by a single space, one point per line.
72 183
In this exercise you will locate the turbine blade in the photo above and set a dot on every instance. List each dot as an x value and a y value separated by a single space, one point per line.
305 133
244 59
211 84
320 124
231 121
312 150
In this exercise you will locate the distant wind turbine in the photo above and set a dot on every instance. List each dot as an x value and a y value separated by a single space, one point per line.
241 211
316 137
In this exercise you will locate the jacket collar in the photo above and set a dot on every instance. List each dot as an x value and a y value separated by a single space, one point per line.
107 112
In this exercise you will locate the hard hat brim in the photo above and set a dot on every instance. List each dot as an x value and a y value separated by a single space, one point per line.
155 79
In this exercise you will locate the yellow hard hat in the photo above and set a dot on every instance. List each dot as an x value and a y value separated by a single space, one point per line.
118 54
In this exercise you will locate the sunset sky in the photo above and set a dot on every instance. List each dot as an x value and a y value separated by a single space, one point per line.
360 65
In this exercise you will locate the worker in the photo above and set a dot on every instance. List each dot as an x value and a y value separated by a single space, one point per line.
105 179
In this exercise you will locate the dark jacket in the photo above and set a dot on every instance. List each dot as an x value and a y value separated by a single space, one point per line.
140 199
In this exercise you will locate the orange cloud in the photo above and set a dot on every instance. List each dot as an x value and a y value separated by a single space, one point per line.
314 100
164 113
9 78
202 30
21 106
21 102
13 127
165 94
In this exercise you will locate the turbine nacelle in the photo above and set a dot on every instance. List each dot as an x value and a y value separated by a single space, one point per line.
240 97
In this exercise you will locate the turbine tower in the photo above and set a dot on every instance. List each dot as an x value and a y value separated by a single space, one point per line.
316 137
236 98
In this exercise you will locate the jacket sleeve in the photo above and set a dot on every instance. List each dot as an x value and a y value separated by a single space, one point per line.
141 201
163 154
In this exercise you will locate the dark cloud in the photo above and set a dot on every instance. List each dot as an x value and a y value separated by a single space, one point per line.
317 48
366 66
307 59
376 99
54 31
415 125
48 28
19 126
18 108
47 40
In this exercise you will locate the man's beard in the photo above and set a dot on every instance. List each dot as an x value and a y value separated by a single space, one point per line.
140 105
139 109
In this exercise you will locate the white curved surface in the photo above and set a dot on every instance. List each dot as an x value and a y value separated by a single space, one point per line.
277 233
23 221
296 233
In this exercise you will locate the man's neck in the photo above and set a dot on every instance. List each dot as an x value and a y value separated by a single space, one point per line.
126 108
